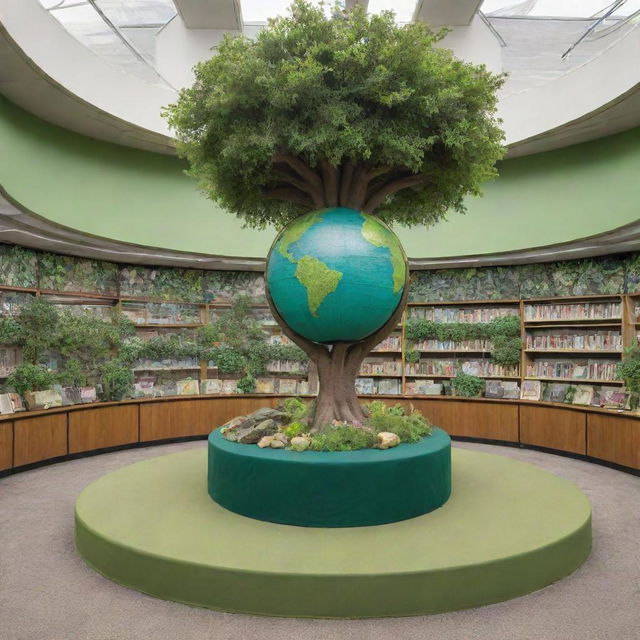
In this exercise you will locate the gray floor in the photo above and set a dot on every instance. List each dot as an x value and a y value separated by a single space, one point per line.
47 593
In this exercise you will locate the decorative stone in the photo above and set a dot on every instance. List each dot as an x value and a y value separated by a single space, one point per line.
265 441
267 413
300 443
231 428
253 433
277 444
386 440
282 437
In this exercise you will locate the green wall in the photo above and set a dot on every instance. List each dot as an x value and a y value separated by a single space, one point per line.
145 198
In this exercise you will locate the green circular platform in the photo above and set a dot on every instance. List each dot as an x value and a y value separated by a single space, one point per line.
331 489
509 528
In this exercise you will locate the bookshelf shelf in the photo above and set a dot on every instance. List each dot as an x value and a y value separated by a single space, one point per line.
582 380
577 351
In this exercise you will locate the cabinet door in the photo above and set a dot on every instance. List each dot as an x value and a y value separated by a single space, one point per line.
614 438
554 428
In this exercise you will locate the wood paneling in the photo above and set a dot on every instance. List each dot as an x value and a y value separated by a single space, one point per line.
40 438
6 445
162 420
560 429
100 427
614 438
493 421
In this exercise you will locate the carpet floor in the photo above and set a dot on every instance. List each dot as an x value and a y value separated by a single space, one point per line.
48 593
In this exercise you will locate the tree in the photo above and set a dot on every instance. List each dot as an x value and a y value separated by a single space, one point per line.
353 111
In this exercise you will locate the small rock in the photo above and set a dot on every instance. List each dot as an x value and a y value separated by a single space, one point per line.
253 433
300 443
280 436
277 444
230 429
266 413
386 440
265 441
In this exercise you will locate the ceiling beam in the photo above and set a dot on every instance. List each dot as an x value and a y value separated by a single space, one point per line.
210 14
446 13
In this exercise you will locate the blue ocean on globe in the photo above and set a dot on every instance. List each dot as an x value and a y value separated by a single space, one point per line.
336 275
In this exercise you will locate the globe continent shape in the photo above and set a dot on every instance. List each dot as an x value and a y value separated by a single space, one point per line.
336 275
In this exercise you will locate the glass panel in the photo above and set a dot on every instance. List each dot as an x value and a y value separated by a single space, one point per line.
558 8
261 10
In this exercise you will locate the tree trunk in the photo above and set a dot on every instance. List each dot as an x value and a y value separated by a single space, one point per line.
338 366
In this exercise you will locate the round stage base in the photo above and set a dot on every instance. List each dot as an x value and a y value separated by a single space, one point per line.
331 488
509 528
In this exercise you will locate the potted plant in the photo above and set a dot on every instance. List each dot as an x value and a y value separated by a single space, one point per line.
467 386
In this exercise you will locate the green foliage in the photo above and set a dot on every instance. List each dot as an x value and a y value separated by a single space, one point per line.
247 384
628 370
39 322
229 360
117 380
506 350
412 356
10 331
294 429
72 374
295 408
30 377
570 394
467 386
409 428
351 87
18 266
343 437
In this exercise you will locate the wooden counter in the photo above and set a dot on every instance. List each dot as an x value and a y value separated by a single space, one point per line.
37 436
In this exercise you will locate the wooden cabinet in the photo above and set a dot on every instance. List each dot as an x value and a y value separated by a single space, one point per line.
101 427
554 428
40 438
6 445
614 438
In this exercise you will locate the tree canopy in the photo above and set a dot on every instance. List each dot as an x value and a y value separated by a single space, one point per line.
351 110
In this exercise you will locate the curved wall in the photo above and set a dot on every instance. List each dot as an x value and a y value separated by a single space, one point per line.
145 198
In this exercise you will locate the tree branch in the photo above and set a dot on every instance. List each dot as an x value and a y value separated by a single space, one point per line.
393 186
300 167
289 194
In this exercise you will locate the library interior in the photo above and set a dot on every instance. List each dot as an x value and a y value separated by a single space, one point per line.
319 319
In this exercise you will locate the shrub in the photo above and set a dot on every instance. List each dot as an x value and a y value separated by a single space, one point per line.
343 437
117 380
295 409
247 384
467 386
409 428
294 429
30 377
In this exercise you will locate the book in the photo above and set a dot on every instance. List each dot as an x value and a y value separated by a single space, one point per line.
431 389
16 401
287 386
43 399
88 394
531 390
71 395
187 387
511 389
229 387
364 386
612 398
6 406
212 386
303 387
389 386
265 385
583 395
493 389
143 387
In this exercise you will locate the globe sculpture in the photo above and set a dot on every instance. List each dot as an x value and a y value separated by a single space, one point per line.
336 275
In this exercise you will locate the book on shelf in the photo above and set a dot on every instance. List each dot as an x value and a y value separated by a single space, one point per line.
423 388
6 406
46 399
187 387
389 386
265 385
210 386
88 394
144 387
461 314
365 386
16 401
583 395
554 391
531 390
572 311
70 395
303 387
593 369
501 389
438 367
288 386
168 388
452 345
390 343
577 339
380 367
229 386
612 398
